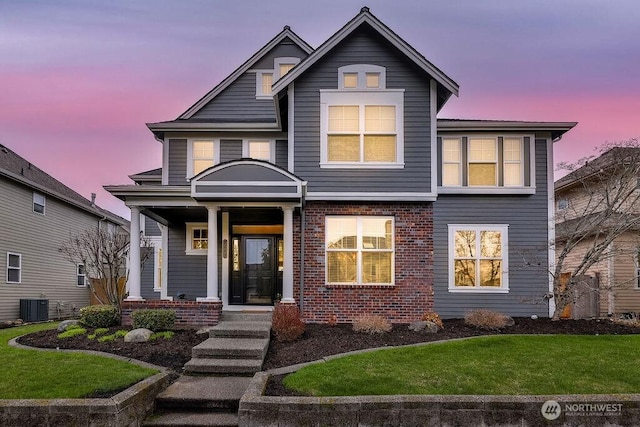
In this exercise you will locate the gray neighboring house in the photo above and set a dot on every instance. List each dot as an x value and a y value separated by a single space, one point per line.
37 214
323 177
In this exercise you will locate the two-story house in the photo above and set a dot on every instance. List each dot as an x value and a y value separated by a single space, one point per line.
38 214
323 177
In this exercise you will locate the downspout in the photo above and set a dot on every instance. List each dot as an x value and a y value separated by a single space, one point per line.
302 232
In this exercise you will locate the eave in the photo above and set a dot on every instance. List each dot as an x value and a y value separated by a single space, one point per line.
557 129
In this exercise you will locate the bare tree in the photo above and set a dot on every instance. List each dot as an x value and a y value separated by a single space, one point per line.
104 254
604 205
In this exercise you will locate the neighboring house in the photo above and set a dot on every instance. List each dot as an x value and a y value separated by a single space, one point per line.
37 214
614 280
322 177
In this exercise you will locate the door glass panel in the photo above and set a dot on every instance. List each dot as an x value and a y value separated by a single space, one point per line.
258 270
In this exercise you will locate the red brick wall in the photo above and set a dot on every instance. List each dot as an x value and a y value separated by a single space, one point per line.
404 302
189 314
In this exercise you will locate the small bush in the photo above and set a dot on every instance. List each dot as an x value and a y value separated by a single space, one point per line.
154 319
72 331
112 337
487 319
99 316
371 324
97 332
431 316
286 322
167 335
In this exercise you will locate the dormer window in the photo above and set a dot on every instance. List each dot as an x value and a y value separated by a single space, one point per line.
266 78
362 76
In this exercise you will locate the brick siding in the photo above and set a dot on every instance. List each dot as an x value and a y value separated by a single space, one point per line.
189 314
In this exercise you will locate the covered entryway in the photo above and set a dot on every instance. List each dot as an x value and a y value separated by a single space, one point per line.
256 269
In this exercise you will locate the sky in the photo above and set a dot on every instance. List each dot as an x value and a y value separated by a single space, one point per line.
79 79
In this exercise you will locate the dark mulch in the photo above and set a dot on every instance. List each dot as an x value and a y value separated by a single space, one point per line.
317 342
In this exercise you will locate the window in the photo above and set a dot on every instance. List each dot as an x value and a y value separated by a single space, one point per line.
202 154
39 202
478 258
359 250
483 161
512 152
81 275
197 238
563 204
266 78
451 162
14 268
362 77
158 275
259 150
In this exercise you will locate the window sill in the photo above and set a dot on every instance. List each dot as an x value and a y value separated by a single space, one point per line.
196 252
359 285
362 165
264 97
479 290
486 190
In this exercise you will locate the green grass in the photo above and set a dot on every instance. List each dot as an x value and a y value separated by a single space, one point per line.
509 365
32 374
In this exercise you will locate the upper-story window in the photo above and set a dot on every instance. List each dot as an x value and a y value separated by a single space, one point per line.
486 162
259 150
39 203
201 154
266 78
562 204
360 127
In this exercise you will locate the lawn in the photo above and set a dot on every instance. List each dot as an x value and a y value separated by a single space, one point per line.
32 374
504 365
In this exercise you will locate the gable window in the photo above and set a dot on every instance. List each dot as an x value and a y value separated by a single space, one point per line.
266 78
81 275
39 202
197 238
478 258
359 250
362 76
202 154
259 150
14 267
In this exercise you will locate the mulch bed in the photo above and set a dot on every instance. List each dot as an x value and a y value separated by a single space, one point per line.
317 342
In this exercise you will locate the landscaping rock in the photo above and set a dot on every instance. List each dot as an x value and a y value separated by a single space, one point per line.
424 326
64 325
138 335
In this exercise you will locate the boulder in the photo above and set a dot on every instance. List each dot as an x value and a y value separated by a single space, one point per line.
138 335
424 326
64 325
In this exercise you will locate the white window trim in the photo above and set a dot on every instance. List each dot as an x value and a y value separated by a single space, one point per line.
506 162
329 97
216 154
359 250
502 228
43 204
361 70
283 60
156 243
78 275
19 268
190 226
496 161
272 148
259 73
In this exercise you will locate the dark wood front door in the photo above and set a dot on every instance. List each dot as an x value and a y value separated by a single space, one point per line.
256 272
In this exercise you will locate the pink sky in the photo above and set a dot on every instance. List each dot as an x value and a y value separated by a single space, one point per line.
79 79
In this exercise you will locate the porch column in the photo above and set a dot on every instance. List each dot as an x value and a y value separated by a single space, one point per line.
134 256
212 255
287 274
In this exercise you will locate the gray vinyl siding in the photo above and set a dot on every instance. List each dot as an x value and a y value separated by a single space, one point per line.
151 227
230 149
46 273
282 153
238 103
527 218
178 162
363 47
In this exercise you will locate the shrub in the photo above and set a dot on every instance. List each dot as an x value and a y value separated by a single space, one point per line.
431 316
167 335
286 322
72 331
487 319
99 316
97 333
154 319
112 337
371 324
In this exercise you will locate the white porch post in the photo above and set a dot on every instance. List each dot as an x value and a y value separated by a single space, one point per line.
287 274
134 257
212 255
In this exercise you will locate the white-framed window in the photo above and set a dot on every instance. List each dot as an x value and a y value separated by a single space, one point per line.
202 153
197 238
259 149
157 280
451 161
39 203
283 65
361 129
81 275
359 250
562 204
483 162
478 258
14 267
266 78
362 77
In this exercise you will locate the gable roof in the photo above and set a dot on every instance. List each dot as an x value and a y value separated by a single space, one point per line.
18 169
365 16
285 33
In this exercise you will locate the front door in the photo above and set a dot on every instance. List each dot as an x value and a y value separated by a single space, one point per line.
256 273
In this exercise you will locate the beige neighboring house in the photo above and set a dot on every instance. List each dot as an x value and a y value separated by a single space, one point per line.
37 214
613 283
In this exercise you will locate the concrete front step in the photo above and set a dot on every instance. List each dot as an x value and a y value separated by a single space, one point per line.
241 329
204 393
241 348
193 419
245 316
223 366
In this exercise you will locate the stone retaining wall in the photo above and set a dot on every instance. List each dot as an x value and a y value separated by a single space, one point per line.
417 410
